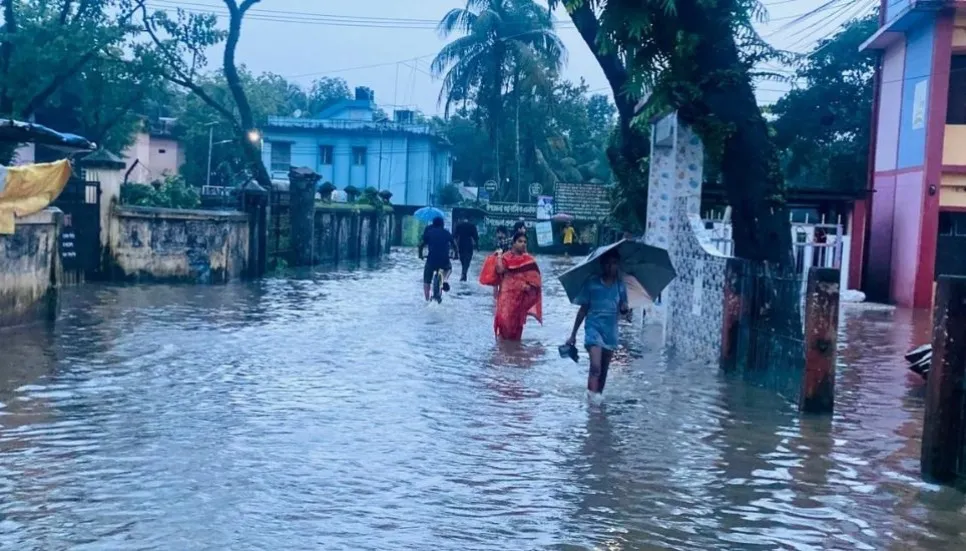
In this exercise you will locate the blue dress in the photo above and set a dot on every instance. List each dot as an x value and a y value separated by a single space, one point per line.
603 310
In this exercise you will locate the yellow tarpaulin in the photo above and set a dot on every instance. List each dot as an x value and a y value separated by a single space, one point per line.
28 189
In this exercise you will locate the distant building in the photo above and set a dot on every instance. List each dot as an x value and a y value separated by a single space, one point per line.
347 145
155 154
913 226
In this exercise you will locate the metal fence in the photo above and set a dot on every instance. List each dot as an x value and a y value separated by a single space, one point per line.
220 198
818 244
769 331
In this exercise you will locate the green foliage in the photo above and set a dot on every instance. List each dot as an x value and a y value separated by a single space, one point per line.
450 195
822 127
386 196
326 92
563 137
503 46
76 67
171 193
326 190
352 192
370 196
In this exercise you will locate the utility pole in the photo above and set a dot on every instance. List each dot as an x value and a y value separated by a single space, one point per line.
211 145
516 90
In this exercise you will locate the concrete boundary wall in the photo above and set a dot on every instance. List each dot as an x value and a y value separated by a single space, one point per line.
30 269
174 245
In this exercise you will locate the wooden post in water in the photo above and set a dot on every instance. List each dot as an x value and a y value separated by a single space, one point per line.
821 336
302 189
942 432
733 312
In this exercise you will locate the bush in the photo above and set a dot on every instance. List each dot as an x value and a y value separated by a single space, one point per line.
326 190
352 192
172 193
386 196
371 197
450 195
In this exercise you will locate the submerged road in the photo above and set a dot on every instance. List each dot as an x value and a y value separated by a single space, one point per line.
336 411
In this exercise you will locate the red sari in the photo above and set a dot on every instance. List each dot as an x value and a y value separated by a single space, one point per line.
520 293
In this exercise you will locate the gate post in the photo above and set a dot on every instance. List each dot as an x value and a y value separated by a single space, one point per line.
942 432
734 311
302 187
254 201
821 340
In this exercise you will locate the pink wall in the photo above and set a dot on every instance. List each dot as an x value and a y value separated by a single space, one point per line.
165 156
880 238
890 107
906 235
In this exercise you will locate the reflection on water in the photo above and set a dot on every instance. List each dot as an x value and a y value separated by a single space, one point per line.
333 410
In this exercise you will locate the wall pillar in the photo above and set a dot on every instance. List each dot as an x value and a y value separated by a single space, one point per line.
302 187
254 201
942 433
108 170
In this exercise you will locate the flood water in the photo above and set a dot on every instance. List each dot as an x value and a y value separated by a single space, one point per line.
336 411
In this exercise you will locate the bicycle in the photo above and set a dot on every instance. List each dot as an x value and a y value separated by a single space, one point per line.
437 287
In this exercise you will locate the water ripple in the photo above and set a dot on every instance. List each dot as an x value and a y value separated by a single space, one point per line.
333 410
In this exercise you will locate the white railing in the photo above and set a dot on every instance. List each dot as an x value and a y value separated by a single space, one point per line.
815 244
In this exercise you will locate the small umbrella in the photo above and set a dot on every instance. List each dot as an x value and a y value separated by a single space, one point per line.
561 217
646 271
427 214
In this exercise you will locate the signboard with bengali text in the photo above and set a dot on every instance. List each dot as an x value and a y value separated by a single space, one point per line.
590 202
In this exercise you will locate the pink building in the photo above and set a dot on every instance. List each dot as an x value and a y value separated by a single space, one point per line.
155 153
913 225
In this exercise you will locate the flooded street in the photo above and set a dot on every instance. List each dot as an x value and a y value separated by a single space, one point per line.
337 411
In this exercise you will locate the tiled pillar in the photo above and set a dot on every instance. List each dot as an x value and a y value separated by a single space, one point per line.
676 171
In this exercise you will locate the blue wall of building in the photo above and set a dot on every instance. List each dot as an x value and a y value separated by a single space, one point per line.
401 157
894 8
919 49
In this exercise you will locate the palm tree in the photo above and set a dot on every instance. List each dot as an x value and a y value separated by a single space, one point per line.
501 44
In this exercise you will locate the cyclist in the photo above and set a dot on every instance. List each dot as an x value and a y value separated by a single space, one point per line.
439 242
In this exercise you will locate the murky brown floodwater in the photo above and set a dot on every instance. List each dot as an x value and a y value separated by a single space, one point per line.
338 412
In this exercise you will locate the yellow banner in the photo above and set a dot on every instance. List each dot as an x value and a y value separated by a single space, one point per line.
28 189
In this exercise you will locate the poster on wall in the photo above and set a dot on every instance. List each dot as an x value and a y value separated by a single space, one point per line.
544 234
919 105
544 207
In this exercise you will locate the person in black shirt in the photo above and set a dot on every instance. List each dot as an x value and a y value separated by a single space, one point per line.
439 242
467 240
503 240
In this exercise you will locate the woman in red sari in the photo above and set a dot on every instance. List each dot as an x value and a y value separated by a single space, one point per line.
517 277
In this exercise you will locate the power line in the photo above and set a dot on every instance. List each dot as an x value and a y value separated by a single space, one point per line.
316 18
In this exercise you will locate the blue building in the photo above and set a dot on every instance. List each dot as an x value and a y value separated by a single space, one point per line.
349 144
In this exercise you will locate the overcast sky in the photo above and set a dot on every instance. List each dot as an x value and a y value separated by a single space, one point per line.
304 39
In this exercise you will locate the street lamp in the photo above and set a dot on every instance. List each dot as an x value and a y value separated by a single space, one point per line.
254 136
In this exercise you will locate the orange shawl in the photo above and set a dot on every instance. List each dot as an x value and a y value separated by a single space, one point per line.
520 293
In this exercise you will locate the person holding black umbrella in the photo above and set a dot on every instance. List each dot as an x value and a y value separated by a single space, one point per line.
602 300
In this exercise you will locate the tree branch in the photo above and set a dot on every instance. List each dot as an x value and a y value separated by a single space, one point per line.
6 54
614 70
177 76
59 79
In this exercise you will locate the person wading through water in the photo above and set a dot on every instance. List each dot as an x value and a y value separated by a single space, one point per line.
602 300
468 240
520 288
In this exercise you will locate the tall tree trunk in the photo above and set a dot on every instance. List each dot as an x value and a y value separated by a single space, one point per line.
252 150
749 161
628 157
